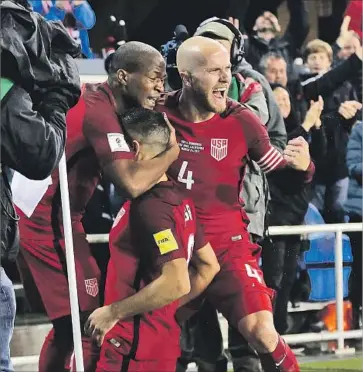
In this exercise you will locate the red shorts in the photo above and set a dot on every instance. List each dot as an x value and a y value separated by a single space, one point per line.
149 354
123 364
239 288
42 266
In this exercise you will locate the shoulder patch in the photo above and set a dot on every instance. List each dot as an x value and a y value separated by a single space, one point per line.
165 241
117 142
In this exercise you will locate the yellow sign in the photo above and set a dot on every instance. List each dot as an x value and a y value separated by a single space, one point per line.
165 241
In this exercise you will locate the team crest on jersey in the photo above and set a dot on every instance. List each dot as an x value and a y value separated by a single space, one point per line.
91 287
218 148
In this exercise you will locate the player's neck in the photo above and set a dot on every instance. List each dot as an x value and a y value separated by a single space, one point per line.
190 111
119 99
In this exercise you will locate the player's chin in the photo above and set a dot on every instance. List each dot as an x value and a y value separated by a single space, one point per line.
219 108
149 104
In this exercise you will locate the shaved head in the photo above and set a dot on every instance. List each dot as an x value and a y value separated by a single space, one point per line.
205 69
137 74
196 51
134 56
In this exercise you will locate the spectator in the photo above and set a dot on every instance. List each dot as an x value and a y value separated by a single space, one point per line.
266 39
354 208
274 67
340 110
346 44
77 16
32 141
288 206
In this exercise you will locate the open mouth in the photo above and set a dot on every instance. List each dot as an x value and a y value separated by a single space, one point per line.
220 93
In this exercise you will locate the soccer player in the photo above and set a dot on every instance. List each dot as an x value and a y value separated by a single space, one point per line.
152 241
95 144
216 135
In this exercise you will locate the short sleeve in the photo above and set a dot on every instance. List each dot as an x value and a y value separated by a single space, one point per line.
160 241
103 131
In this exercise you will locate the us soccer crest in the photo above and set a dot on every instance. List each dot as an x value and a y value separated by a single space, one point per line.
218 148
91 287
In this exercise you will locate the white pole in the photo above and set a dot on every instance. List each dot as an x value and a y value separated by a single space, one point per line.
339 288
71 267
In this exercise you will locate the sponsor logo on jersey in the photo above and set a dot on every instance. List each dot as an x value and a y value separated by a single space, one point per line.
91 287
165 241
218 148
236 238
117 142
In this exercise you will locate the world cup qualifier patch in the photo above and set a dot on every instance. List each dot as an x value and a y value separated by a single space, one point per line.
165 241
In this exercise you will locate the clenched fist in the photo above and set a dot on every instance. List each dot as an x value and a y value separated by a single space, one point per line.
297 154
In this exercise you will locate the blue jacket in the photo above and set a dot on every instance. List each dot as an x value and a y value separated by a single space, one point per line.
354 163
83 14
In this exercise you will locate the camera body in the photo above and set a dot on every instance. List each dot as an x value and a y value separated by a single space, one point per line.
168 51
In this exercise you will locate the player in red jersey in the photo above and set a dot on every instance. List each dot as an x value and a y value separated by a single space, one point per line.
216 135
95 143
151 243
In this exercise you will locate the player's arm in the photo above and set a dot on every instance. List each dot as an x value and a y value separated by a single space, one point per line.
163 250
296 154
103 131
203 268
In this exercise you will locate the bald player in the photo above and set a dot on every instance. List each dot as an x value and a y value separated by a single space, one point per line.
216 135
95 145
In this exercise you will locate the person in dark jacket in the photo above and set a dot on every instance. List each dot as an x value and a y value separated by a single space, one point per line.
354 207
265 38
288 206
340 112
33 129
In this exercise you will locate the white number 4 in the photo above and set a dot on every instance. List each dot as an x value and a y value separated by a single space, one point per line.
189 176
253 273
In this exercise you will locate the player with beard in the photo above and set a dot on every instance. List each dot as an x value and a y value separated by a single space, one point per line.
95 144
216 135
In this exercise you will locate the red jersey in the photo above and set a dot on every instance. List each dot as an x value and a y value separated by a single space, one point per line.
211 164
94 139
153 229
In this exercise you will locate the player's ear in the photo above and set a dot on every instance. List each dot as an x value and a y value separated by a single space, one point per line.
186 78
136 149
122 76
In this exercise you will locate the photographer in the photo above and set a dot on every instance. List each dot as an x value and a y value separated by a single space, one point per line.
39 83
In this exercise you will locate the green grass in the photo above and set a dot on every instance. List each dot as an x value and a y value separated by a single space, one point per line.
334 365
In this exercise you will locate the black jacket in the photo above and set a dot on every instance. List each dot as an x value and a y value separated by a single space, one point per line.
335 88
289 196
38 57
288 45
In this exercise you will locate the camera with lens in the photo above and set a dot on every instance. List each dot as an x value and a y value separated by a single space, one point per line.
168 51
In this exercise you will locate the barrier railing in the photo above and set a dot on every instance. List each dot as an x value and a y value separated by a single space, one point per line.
340 335
338 229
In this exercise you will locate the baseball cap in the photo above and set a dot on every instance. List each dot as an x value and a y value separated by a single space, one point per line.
217 29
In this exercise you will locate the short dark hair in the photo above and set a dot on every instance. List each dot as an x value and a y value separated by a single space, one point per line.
132 56
147 127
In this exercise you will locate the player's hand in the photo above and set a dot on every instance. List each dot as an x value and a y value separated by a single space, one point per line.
99 323
345 34
297 154
348 109
313 115
173 143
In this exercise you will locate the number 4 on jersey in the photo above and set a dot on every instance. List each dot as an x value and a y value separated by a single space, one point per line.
189 176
